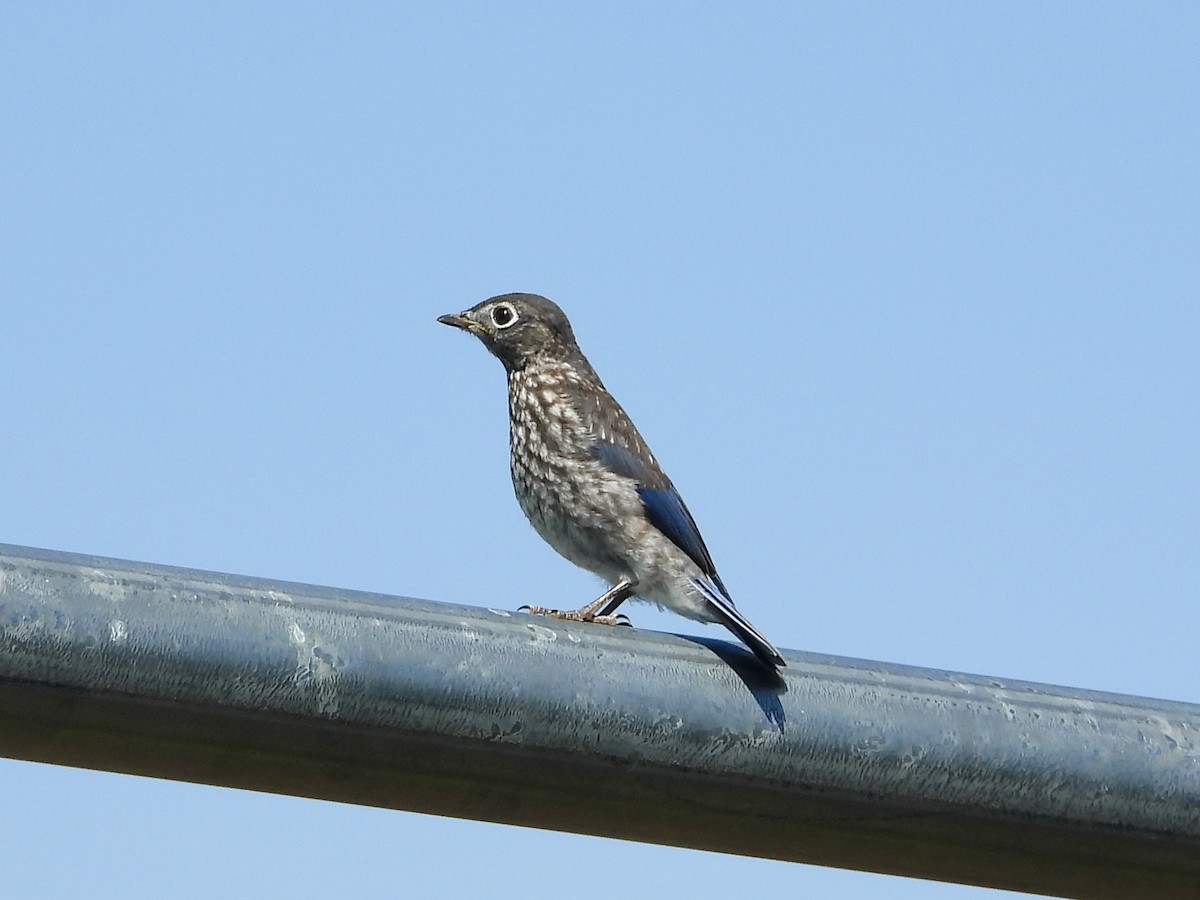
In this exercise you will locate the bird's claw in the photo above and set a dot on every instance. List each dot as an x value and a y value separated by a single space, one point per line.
619 619
576 615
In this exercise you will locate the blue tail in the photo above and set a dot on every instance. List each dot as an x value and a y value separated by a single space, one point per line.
737 623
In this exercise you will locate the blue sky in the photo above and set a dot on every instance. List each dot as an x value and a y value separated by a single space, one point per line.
906 299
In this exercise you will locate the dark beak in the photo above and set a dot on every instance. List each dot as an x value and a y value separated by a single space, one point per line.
461 321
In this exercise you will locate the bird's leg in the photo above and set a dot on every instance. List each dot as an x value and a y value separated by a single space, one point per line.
599 610
615 596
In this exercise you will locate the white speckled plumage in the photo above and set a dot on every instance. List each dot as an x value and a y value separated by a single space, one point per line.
585 478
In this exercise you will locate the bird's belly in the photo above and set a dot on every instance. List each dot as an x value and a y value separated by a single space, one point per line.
596 522
583 519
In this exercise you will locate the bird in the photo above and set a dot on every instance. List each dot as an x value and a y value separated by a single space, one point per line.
587 481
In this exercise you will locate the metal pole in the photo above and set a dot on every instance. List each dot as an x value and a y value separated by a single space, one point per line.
487 714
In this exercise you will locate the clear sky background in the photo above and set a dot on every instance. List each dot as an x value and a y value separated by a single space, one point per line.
905 297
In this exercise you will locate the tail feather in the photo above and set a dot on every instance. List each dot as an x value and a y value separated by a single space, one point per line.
729 616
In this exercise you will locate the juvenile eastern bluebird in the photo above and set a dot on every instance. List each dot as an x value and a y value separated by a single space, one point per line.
586 480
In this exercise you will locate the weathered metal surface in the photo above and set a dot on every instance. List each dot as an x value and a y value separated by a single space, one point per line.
493 715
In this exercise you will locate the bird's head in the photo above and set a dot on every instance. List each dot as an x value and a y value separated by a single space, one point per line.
518 328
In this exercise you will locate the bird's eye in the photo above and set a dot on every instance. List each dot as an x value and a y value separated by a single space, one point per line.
503 315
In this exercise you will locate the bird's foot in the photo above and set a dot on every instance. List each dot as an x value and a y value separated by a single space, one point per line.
577 615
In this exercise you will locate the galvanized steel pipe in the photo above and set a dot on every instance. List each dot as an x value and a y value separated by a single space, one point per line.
488 714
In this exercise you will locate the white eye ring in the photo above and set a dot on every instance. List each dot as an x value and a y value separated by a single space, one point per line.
503 315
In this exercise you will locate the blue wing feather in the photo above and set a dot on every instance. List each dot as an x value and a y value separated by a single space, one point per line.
666 511
663 505
625 462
